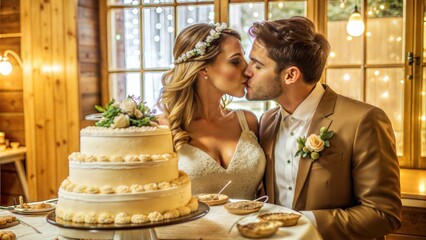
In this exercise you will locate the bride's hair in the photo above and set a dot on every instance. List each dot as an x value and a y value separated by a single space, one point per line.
178 99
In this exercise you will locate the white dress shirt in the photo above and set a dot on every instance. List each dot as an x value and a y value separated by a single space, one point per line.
292 127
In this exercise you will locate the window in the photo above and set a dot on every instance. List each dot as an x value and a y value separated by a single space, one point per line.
140 42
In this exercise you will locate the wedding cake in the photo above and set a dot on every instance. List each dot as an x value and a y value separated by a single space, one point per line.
126 171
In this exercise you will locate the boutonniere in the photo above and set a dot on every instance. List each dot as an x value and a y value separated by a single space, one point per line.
312 146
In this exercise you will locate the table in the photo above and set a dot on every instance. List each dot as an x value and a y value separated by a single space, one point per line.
214 225
17 156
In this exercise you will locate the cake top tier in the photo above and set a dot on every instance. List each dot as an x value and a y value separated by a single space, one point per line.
130 112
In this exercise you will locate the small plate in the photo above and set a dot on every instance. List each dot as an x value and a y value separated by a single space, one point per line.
33 211
11 224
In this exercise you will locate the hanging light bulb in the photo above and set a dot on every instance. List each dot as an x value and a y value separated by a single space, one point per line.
355 25
5 66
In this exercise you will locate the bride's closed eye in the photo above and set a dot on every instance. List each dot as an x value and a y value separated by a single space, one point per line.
235 61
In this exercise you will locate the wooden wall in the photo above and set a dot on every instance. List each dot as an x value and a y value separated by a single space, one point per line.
11 95
88 59
60 78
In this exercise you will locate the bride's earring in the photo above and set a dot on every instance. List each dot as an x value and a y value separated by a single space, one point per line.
206 77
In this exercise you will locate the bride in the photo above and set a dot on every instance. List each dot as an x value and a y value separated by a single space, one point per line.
215 144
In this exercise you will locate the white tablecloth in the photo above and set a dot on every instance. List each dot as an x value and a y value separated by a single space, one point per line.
214 225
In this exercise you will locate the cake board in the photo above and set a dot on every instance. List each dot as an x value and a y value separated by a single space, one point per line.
144 231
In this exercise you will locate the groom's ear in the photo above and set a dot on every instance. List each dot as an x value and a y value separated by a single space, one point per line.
291 75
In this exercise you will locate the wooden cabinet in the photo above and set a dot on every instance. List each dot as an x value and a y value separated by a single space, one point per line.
413 194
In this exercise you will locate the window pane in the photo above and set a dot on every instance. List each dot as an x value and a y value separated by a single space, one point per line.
279 10
385 89
423 116
344 48
385 32
152 87
158 37
125 84
124 39
156 1
123 2
347 82
242 16
188 15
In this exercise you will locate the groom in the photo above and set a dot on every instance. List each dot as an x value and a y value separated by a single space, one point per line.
345 177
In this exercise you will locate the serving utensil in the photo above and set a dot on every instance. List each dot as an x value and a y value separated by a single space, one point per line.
221 190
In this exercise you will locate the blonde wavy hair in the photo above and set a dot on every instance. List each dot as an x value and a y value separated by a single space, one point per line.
178 99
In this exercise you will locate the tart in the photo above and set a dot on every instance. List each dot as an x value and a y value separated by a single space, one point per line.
283 219
7 235
243 207
258 229
213 198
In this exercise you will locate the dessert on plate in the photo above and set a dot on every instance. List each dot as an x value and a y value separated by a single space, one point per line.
257 229
243 207
283 219
212 199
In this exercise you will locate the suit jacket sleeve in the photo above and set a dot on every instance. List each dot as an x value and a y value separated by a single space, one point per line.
375 176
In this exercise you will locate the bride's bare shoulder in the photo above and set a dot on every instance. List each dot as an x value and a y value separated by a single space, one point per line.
162 120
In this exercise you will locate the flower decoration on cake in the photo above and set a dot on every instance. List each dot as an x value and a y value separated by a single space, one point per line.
129 112
311 146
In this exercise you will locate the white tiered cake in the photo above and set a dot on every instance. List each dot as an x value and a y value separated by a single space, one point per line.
124 175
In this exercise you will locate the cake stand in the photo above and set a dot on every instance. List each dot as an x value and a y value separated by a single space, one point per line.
143 231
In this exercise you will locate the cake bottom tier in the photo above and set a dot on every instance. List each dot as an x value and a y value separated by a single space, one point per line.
127 208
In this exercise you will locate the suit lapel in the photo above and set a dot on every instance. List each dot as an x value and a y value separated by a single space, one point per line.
319 120
270 139
268 133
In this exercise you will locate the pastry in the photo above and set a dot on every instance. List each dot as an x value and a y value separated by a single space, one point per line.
283 219
213 198
243 207
258 229
7 235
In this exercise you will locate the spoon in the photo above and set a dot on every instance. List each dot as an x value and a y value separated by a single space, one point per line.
221 190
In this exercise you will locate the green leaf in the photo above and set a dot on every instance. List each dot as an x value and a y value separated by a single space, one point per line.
327 143
327 135
100 108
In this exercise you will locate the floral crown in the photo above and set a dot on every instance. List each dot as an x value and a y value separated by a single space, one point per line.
201 47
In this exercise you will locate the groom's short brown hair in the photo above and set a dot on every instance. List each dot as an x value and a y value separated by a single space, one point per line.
293 42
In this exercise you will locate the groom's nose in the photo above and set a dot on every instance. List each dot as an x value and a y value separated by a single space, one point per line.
248 72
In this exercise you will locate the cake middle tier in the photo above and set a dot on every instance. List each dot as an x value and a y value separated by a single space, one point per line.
100 174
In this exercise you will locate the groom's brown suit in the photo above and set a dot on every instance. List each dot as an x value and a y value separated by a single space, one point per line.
353 189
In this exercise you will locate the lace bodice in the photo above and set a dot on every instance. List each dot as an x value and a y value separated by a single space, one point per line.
245 169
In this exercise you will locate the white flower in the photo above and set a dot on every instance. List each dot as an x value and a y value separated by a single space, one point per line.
201 47
314 143
121 121
128 106
138 114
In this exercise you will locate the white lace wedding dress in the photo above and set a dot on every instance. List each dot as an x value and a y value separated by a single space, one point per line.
245 169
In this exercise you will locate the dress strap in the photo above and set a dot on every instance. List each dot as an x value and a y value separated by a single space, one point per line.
242 120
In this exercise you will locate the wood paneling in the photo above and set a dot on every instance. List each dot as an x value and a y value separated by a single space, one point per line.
10 186
88 52
51 100
11 101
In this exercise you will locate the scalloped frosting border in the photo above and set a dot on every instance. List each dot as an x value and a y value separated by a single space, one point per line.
81 157
126 218
146 130
69 186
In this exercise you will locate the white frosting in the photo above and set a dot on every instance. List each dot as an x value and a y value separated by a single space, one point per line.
125 175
